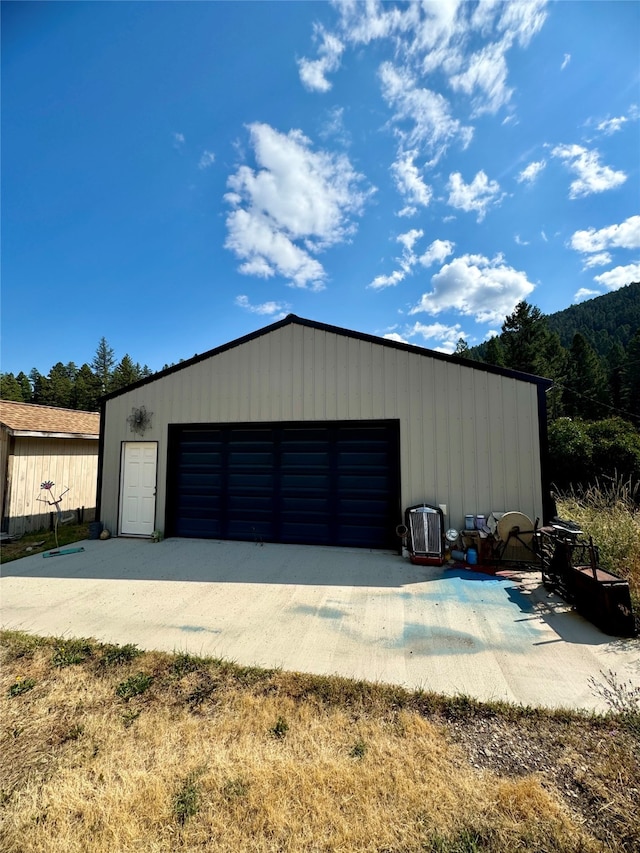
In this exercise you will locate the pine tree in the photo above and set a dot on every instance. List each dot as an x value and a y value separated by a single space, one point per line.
125 373
60 386
42 393
86 390
10 388
586 385
524 336
103 363
25 385
462 348
494 353
631 378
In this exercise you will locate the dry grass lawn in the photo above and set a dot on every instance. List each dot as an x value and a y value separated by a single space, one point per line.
104 748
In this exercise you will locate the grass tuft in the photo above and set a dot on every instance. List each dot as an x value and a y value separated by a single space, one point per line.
279 729
67 652
20 686
186 801
134 686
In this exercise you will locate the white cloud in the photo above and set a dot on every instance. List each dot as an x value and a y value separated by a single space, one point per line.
531 172
623 236
266 308
593 177
382 281
599 260
409 181
619 276
208 159
178 140
487 72
296 203
477 195
544 236
437 252
407 261
313 71
518 239
475 286
612 125
565 61
585 293
427 113
446 337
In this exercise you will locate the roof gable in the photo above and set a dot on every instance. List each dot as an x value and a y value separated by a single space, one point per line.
337 330
30 418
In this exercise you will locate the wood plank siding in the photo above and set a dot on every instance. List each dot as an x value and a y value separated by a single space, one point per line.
469 436
67 462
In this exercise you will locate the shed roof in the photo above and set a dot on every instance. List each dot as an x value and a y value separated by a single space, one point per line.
30 419
290 319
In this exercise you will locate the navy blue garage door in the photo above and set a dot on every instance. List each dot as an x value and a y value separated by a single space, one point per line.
320 483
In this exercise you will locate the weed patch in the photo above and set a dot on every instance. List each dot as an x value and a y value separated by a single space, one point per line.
114 655
186 801
20 686
279 729
134 686
67 652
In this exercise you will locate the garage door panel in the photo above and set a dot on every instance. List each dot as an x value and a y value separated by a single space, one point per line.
333 483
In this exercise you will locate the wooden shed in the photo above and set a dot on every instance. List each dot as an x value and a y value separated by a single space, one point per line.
304 432
41 444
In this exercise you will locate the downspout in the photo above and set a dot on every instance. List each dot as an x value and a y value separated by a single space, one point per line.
549 510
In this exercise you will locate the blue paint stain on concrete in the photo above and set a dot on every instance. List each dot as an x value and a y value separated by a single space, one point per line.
323 612
418 639
196 629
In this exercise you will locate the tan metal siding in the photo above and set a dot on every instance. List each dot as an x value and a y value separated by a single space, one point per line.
71 463
469 439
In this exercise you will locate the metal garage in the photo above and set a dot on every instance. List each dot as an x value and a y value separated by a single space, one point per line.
319 483
309 433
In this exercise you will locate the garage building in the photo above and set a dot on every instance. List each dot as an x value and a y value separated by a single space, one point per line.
308 433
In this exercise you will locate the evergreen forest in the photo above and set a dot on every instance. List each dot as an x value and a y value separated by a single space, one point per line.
591 352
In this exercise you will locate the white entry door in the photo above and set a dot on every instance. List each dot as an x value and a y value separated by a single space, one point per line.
138 496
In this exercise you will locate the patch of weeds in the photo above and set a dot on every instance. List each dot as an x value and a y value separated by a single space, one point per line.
73 733
114 655
128 717
464 842
69 652
184 663
134 686
235 789
359 749
202 691
622 697
279 729
17 644
20 686
186 801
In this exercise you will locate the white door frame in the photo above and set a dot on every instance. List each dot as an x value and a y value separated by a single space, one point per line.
138 487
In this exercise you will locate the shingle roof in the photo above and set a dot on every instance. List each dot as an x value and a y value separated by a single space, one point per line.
27 417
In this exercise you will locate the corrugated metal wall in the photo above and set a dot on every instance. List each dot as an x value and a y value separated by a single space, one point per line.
468 439
71 463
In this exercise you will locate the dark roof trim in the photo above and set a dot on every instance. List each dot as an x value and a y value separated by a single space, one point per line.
347 333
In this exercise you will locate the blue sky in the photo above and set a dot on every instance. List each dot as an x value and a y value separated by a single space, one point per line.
176 175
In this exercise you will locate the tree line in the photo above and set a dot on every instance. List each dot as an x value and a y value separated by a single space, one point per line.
68 386
593 407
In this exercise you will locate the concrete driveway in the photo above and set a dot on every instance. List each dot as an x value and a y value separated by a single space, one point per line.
362 614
